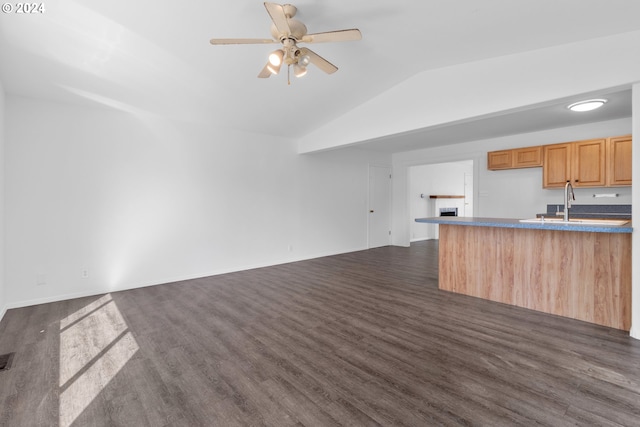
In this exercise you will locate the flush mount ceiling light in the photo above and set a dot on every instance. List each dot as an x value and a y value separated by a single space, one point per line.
587 105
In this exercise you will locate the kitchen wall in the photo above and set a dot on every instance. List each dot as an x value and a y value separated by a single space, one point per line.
99 200
2 169
514 193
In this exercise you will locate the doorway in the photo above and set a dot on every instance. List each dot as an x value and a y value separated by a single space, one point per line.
451 182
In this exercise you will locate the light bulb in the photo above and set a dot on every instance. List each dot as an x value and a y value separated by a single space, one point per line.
275 61
304 60
275 58
299 70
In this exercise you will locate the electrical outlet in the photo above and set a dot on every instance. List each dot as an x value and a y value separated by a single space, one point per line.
84 273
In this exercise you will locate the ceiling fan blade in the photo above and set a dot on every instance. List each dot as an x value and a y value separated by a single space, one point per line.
276 12
333 36
265 73
319 61
241 41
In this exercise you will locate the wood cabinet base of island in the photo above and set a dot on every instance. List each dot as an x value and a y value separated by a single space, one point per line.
581 275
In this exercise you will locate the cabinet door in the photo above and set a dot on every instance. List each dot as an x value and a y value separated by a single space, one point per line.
589 163
528 157
619 164
556 168
500 160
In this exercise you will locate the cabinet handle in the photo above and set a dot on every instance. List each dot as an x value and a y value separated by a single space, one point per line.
371 211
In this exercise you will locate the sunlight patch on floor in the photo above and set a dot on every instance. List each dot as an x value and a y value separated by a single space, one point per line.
95 344
84 311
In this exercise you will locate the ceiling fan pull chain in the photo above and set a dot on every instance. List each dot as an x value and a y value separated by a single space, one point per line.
289 74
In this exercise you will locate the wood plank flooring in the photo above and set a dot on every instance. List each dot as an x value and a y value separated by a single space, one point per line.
359 339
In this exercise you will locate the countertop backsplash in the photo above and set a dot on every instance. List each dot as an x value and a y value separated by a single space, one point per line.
591 211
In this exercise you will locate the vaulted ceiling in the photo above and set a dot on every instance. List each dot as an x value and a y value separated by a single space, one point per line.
154 58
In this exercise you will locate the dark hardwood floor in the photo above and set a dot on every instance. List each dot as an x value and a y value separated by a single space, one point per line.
358 339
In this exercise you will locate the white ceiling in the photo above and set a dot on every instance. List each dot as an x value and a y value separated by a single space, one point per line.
153 58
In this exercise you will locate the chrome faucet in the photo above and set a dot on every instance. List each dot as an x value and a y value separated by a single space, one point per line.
567 200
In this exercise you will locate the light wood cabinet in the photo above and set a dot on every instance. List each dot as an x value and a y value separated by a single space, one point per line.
619 161
589 163
497 160
527 157
556 169
598 162
601 162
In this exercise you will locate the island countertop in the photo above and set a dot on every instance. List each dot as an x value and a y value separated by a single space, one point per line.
515 223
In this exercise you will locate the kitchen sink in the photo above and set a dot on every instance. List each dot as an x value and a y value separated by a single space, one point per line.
577 221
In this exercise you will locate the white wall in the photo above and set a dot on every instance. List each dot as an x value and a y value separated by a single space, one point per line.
440 178
136 201
2 173
514 193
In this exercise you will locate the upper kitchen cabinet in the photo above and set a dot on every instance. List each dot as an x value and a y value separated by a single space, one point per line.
619 161
502 159
589 163
527 157
601 162
583 163
556 169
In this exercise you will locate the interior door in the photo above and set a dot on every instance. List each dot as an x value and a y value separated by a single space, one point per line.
379 206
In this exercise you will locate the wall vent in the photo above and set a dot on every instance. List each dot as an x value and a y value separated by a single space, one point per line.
5 361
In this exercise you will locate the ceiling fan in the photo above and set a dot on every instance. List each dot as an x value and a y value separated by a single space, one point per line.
289 32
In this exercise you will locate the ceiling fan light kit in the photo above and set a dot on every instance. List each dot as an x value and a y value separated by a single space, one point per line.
289 32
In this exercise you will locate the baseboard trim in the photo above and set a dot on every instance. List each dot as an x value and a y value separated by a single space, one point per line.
165 281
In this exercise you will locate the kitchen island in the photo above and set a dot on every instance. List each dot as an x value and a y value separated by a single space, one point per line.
581 271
